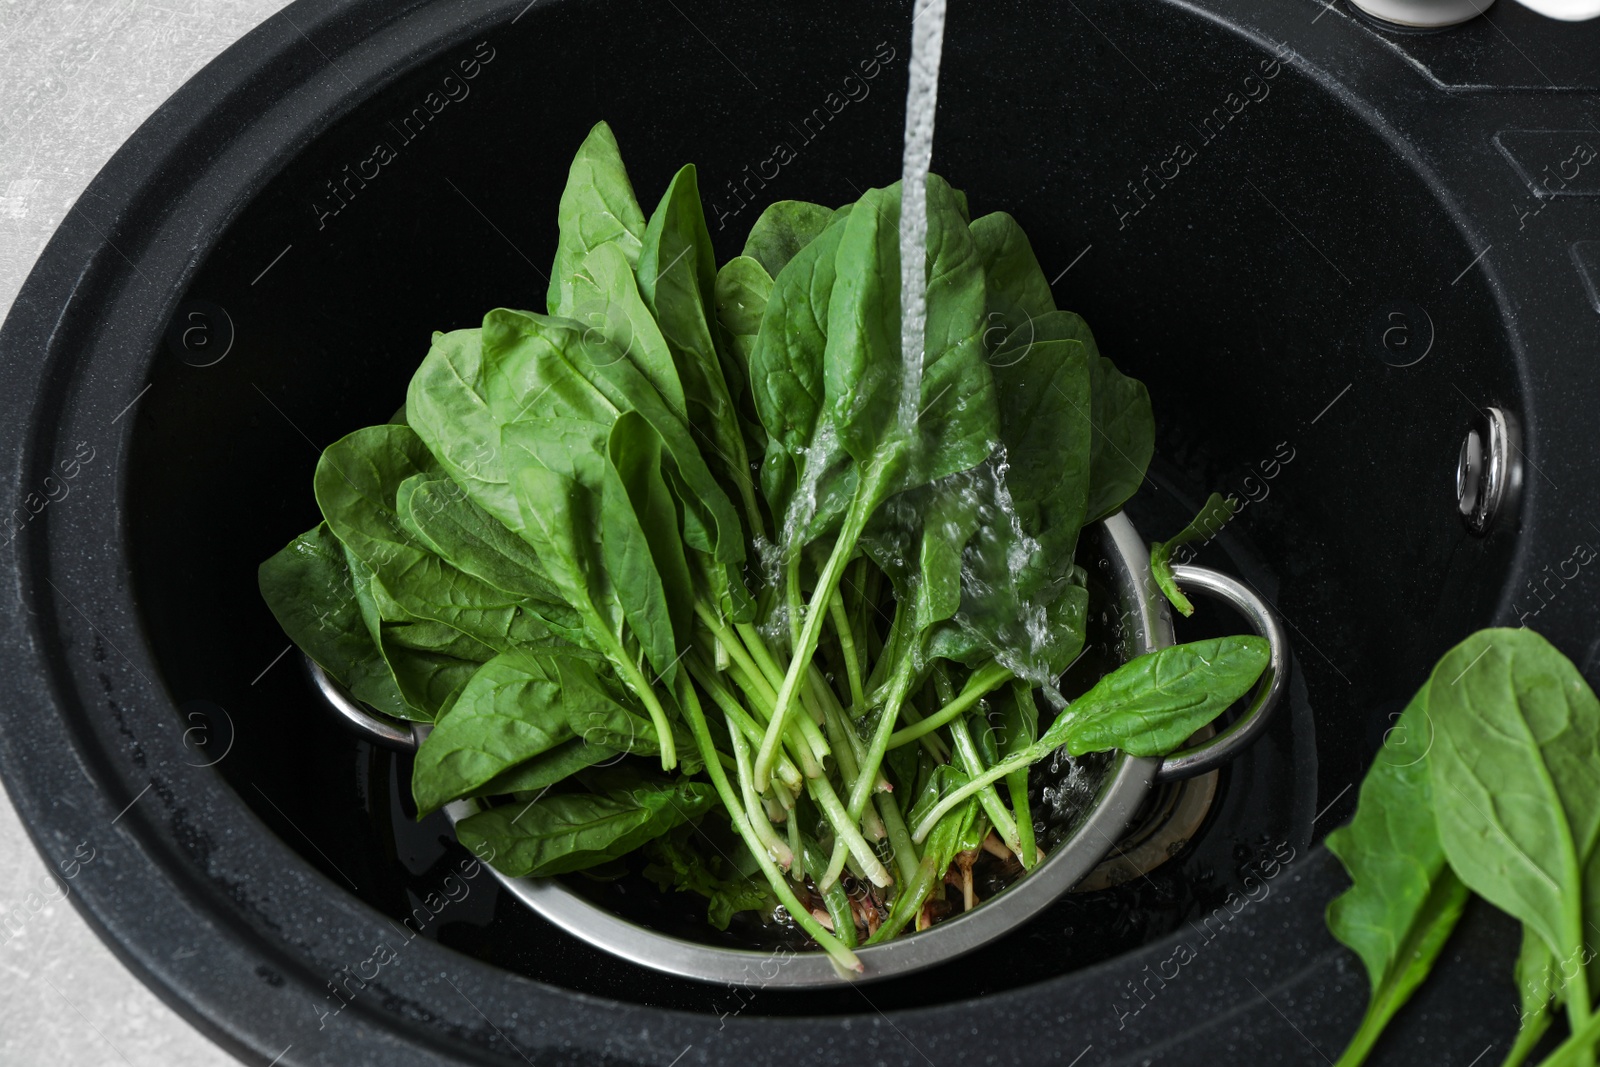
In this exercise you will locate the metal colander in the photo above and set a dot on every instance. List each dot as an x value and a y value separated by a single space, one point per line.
1135 621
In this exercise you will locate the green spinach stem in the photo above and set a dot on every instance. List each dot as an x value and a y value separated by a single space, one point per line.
636 681
984 680
844 824
932 742
1027 847
787 772
899 686
1577 1050
834 898
988 797
776 848
811 630
836 950
1031 754
1528 1035
760 700
743 658
847 645
846 747
906 853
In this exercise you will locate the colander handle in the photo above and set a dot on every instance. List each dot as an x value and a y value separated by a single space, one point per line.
388 733
1211 754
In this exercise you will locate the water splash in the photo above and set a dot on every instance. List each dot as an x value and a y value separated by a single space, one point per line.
984 493
816 460
922 97
1057 700
1068 795
1021 550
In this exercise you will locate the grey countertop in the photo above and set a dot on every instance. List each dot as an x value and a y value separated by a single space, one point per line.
81 76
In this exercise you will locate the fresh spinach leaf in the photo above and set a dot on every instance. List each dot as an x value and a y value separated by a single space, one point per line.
447 404
1405 899
1017 290
782 230
1005 532
571 831
634 485
428 661
597 208
677 276
444 520
1152 704
1122 437
1517 741
1147 707
1488 789
1217 512
742 290
536 353
677 862
520 367
951 424
558 515
533 775
358 483
787 387
517 706
618 325
310 590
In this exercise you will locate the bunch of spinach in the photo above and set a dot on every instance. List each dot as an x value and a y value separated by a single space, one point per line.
769 679
1486 785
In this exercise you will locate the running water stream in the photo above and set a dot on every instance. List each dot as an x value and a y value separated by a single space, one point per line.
922 97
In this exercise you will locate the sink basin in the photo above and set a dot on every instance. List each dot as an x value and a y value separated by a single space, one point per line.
1303 249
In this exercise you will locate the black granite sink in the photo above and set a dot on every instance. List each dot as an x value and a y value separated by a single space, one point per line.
1322 254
